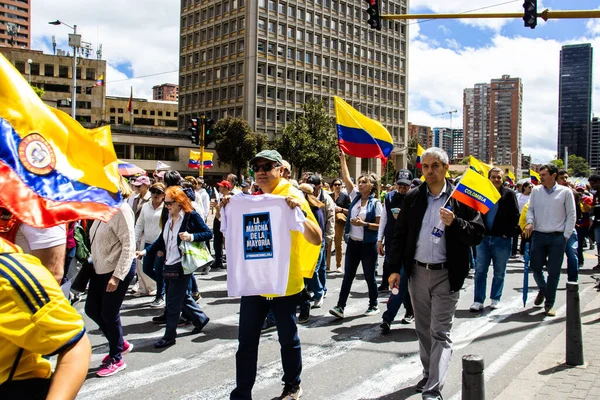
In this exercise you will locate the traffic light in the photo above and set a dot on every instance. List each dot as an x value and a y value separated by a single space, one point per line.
193 128
374 12
209 135
530 13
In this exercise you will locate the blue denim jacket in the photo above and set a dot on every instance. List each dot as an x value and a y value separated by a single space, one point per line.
370 236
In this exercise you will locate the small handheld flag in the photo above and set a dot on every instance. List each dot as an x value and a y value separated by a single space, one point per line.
360 136
534 177
130 102
420 151
476 192
161 165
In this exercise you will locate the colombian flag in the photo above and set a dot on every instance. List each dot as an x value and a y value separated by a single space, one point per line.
479 166
99 81
476 192
534 176
420 151
52 170
360 136
510 178
194 161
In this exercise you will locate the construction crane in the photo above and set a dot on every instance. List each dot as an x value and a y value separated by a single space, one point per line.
449 113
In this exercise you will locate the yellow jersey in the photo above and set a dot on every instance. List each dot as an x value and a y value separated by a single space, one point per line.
35 317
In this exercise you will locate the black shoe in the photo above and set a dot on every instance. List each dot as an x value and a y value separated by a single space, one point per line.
198 328
408 319
160 320
421 384
383 288
385 327
268 326
162 343
539 299
183 322
304 316
290 392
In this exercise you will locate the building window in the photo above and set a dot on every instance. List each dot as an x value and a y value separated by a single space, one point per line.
48 69
90 74
20 66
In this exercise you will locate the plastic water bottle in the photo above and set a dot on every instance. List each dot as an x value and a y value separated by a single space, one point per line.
438 231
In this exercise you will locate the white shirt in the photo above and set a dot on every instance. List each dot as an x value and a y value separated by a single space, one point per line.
522 200
172 254
382 222
147 227
30 238
257 231
357 232
552 210
203 198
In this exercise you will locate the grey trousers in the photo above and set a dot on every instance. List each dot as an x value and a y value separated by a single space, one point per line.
434 307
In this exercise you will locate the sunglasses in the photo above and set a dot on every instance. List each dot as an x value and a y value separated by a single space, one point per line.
337 184
266 167
156 192
169 203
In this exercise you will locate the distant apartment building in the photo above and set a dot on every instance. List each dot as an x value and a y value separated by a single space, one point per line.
166 92
595 145
262 60
442 138
493 121
54 74
458 145
15 22
575 100
423 134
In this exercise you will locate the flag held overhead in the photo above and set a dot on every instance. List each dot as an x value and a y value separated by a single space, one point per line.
52 170
360 136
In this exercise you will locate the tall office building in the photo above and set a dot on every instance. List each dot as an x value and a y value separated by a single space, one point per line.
493 121
595 145
442 138
476 106
262 60
15 18
422 133
458 145
575 100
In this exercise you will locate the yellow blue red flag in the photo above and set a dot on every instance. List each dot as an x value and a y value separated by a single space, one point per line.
194 161
420 151
479 166
52 170
534 177
510 178
476 192
360 136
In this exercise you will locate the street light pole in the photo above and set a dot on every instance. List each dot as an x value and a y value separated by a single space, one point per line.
75 41
29 61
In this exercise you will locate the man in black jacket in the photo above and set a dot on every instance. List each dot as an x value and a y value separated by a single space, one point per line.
501 223
436 268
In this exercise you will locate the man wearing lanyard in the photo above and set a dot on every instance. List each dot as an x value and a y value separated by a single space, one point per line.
436 269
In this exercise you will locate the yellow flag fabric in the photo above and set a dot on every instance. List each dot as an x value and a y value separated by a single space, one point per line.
534 177
479 166
52 170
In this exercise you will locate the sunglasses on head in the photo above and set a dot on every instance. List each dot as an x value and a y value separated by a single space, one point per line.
266 167
156 192
169 203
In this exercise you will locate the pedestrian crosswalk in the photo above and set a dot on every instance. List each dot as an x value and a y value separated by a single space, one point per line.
342 359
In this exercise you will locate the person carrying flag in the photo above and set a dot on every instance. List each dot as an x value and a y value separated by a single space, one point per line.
502 223
436 271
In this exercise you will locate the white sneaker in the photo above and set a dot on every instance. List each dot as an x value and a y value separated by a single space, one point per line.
318 303
495 304
476 307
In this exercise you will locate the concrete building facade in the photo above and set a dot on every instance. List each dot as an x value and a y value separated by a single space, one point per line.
147 114
54 74
422 133
595 145
458 145
575 100
476 127
166 92
15 24
262 60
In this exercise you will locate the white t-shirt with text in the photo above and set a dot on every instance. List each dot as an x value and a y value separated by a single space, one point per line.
257 233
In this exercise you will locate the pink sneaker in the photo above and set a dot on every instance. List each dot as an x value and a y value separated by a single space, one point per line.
111 368
127 347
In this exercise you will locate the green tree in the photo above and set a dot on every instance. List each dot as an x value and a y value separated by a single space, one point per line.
310 142
559 163
578 166
39 91
389 173
235 143
412 152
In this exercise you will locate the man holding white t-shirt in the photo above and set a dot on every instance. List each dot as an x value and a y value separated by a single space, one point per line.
304 247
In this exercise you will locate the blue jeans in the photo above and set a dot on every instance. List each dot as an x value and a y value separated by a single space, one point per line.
180 299
396 301
547 248
152 265
356 253
253 310
494 249
319 278
572 257
104 308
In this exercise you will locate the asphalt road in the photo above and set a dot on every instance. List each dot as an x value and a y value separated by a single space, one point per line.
342 359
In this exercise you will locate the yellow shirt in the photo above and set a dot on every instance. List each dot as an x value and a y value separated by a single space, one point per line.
303 255
34 315
523 217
